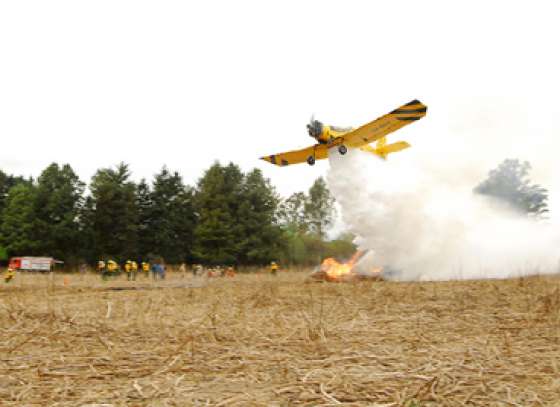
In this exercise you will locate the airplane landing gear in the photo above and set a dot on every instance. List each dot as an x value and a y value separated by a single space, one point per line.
342 149
311 160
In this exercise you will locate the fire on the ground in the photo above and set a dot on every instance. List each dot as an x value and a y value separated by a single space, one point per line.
334 271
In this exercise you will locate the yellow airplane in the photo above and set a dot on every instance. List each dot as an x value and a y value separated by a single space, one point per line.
343 138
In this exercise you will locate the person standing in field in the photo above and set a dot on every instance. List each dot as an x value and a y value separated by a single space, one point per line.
273 268
230 272
112 269
107 269
102 269
158 270
134 267
128 270
197 270
154 269
146 269
9 274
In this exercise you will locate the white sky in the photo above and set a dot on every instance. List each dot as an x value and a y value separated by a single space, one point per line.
185 83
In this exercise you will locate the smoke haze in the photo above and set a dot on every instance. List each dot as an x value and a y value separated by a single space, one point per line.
420 226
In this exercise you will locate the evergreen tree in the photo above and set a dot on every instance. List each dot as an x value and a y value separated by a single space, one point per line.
172 219
261 238
86 222
510 183
218 233
230 218
114 215
18 231
145 207
319 208
58 201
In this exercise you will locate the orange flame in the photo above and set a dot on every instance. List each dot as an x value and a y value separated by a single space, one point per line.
332 270
336 271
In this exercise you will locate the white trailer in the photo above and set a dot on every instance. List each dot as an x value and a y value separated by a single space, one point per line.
30 263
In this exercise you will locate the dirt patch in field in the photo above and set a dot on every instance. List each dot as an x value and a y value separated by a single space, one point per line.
260 340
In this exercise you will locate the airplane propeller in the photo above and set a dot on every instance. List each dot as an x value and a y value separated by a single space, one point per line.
315 127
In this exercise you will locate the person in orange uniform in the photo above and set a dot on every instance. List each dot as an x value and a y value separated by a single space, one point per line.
230 272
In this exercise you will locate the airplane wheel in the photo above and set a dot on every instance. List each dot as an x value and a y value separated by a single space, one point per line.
311 160
342 149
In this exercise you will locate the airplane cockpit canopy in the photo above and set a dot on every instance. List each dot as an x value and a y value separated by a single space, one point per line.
340 129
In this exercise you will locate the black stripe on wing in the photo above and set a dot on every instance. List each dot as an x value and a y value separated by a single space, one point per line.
409 119
420 110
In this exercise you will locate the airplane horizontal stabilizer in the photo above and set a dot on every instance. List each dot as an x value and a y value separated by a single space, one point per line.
386 149
392 148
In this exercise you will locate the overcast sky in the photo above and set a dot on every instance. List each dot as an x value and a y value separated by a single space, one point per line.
184 84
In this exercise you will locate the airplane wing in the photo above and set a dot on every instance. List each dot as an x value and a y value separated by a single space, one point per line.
318 151
384 125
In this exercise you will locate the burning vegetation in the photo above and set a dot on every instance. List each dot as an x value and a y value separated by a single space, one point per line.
334 271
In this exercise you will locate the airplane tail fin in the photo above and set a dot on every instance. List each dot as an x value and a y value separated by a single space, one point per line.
383 150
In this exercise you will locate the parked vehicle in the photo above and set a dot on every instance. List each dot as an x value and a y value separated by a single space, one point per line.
28 263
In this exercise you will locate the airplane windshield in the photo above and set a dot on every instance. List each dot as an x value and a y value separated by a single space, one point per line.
341 129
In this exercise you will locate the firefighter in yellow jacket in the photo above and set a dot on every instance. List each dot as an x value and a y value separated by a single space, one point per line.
146 269
273 268
9 274
128 270
109 270
134 269
112 266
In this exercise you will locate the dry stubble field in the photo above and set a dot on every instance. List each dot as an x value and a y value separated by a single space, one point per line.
264 341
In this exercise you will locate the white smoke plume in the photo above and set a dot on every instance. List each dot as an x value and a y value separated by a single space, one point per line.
418 226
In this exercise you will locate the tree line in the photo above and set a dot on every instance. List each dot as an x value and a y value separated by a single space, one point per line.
228 217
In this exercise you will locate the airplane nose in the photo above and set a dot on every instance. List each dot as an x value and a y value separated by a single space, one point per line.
315 129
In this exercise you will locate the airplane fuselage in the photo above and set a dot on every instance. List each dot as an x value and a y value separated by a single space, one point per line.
330 133
334 136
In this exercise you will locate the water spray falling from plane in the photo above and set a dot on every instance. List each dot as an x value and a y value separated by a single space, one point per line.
418 229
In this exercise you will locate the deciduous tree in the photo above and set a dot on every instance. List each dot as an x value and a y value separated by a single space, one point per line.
291 213
319 208
510 183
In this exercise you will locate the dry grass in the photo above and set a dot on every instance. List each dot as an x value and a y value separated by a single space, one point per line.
259 340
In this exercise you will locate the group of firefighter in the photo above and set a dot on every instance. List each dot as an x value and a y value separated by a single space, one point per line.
198 270
111 268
